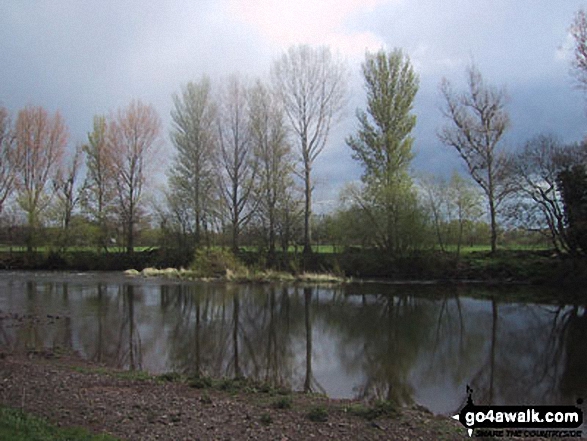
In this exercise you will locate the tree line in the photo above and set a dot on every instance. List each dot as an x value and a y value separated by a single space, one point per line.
244 152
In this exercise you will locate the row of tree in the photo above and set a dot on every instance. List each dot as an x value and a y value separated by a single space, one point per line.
244 156
44 183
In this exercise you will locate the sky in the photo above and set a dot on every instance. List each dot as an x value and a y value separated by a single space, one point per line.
92 57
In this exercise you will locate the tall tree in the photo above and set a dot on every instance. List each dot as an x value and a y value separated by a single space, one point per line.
99 186
579 33
466 202
237 163
477 121
383 144
311 84
40 142
538 204
134 136
573 188
192 175
454 205
68 194
273 155
8 158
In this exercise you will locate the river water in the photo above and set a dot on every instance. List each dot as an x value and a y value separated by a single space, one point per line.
407 343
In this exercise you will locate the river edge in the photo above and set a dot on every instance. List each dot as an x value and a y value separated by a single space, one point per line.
534 267
69 391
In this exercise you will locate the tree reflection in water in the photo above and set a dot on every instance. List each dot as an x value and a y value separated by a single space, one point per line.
395 343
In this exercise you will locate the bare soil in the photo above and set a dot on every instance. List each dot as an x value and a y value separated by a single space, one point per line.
68 391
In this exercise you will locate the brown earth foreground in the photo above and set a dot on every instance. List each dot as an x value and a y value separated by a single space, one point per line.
68 391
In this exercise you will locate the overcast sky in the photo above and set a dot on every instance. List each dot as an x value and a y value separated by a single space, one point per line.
91 57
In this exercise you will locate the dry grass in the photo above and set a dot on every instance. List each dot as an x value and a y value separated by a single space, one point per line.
241 275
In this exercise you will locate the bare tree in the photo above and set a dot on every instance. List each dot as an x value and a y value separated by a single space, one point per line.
8 158
40 143
311 84
134 136
191 177
579 33
273 153
477 120
535 171
237 163
68 194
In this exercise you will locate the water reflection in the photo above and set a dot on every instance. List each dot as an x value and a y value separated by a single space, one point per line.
404 344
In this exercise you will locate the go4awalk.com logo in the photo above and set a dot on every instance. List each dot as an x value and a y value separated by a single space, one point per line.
521 421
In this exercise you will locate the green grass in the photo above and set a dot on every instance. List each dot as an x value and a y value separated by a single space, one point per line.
318 414
378 409
283 403
16 425
468 249
46 249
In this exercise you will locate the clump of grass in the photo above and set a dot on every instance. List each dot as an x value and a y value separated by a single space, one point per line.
283 403
266 419
187 274
213 262
205 398
170 377
170 273
318 414
378 409
131 272
132 375
199 382
150 272
237 384
319 278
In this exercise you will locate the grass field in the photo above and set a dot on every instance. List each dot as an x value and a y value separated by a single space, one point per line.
320 249
46 249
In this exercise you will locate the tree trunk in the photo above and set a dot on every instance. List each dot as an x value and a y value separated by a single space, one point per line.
307 210
493 225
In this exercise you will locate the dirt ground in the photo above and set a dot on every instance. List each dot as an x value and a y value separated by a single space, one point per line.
71 392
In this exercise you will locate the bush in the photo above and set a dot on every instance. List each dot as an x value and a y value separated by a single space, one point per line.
209 262
318 414
380 408
283 403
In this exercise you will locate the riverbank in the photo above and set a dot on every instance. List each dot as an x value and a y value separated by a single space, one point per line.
506 266
68 391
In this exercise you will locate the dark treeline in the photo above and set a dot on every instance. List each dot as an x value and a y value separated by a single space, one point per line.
242 171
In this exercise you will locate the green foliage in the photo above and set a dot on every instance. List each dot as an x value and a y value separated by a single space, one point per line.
213 262
205 398
170 377
283 403
318 414
192 174
266 419
383 145
573 187
378 409
16 425
199 382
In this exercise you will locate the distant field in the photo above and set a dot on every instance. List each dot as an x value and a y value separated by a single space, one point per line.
321 249
487 248
22 249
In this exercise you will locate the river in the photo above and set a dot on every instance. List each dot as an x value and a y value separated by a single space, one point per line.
406 343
